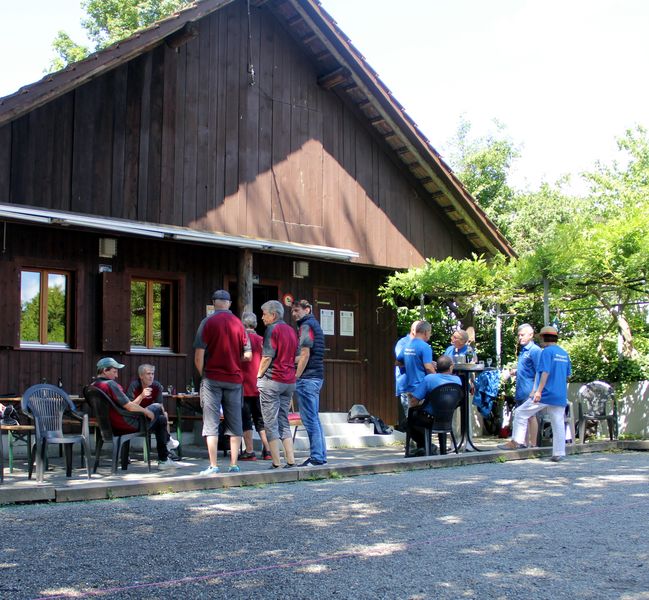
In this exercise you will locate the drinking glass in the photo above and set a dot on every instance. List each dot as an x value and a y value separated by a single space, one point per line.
489 361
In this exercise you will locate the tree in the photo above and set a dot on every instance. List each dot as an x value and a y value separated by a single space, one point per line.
110 21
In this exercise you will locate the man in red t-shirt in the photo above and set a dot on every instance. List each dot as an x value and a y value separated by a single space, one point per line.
276 380
220 345
107 373
251 408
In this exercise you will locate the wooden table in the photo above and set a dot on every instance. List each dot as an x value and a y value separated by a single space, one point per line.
464 371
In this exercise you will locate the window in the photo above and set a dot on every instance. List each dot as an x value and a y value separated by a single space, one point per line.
152 314
44 308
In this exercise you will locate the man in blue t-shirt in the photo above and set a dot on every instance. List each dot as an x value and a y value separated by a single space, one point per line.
417 357
400 373
526 374
420 414
550 394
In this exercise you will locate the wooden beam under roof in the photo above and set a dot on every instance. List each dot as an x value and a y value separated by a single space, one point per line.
335 78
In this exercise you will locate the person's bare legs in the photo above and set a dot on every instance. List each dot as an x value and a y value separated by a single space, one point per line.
247 440
264 440
288 450
235 446
212 442
274 452
532 431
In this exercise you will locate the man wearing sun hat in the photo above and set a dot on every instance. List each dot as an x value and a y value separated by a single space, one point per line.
550 393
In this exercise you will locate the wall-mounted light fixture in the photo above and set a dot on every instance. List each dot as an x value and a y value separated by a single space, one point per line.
107 247
300 269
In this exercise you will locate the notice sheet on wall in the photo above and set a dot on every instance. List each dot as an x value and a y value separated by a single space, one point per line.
327 321
347 323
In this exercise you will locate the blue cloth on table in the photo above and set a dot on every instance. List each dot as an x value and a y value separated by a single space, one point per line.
487 386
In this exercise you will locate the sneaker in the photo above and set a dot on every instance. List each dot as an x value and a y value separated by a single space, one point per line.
172 444
234 469
309 462
173 455
557 458
511 445
166 464
266 455
274 466
209 471
247 456
289 465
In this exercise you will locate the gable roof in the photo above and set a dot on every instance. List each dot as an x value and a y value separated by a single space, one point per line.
342 70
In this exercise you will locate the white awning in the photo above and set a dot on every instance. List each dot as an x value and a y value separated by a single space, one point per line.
114 226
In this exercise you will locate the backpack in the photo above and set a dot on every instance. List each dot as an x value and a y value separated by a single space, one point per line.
358 414
10 416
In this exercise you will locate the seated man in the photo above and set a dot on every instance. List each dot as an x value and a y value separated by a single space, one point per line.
460 346
107 373
145 391
420 415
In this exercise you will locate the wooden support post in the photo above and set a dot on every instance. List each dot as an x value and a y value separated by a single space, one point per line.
245 282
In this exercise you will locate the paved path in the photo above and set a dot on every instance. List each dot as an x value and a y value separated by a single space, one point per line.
520 529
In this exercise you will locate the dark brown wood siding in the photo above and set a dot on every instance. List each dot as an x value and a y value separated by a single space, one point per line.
180 137
101 301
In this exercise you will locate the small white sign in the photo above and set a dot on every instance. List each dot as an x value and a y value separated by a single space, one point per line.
347 323
328 321
209 310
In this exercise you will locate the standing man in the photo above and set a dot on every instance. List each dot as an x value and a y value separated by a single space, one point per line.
417 357
551 394
400 375
525 373
251 408
220 344
310 376
106 380
276 381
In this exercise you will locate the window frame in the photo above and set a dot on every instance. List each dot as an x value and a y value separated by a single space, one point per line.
149 332
70 315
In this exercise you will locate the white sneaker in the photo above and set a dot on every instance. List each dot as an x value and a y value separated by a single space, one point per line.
166 464
172 444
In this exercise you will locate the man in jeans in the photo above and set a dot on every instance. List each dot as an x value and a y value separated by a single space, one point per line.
310 376
221 343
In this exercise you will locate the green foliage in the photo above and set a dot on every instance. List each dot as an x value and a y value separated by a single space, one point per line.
109 21
594 252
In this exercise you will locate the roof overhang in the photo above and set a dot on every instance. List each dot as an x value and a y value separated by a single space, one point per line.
126 227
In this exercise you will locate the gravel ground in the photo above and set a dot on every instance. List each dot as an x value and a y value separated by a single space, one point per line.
521 529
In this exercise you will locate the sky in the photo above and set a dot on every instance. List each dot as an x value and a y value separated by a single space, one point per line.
564 77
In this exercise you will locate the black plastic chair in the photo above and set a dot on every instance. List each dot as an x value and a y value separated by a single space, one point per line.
46 404
101 405
593 400
444 401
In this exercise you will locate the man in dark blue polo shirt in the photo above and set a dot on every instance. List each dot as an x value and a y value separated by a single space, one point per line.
310 377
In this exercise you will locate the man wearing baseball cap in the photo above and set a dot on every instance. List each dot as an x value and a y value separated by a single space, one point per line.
107 373
551 394
221 343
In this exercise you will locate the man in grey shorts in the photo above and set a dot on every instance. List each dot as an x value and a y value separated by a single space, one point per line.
220 345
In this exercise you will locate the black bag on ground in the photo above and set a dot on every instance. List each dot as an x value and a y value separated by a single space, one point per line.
380 427
358 414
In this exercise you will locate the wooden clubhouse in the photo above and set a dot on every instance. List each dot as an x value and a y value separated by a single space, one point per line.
243 144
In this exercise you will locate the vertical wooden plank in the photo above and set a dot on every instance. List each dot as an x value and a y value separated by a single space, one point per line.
145 130
154 154
259 204
9 304
180 107
191 132
232 83
120 80
115 314
168 147
133 137
203 107
5 162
